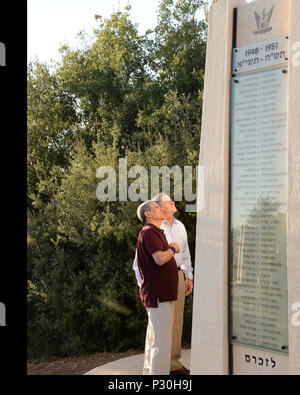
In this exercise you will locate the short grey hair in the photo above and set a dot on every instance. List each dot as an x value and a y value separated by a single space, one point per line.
140 212
159 197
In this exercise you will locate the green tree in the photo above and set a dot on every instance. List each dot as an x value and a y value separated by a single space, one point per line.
52 122
118 95
107 78
180 42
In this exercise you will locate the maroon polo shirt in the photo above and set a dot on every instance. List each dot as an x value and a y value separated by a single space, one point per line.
159 283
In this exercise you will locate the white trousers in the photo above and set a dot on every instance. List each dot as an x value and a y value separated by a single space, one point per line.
159 339
178 324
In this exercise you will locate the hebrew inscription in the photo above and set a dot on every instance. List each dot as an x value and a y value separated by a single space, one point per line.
260 361
259 55
259 315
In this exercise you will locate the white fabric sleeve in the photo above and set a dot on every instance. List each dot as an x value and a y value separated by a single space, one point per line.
137 272
186 264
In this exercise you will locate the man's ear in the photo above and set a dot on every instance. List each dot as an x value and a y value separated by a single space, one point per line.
147 214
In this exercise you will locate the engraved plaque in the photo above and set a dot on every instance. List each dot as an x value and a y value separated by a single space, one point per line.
262 20
250 361
259 313
259 55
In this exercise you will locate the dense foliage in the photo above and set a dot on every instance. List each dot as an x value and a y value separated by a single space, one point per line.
120 94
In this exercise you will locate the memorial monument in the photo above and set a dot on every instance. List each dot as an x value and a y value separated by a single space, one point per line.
247 265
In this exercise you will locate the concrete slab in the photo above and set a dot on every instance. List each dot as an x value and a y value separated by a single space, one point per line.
132 365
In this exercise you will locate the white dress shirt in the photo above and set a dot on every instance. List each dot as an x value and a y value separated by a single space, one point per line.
175 233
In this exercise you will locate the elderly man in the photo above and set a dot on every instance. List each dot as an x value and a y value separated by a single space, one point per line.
159 285
175 232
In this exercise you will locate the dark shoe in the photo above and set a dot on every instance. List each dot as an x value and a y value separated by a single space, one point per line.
180 372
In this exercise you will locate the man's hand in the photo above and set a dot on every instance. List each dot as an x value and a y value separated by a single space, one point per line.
176 246
188 286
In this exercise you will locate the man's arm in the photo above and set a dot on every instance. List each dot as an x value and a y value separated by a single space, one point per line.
186 263
162 257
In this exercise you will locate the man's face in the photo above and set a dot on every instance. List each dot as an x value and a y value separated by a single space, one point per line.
167 205
155 212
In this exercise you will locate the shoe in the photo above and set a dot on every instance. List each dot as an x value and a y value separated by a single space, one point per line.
180 372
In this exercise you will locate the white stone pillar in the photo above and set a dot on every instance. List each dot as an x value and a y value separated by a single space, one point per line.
293 187
210 346
209 354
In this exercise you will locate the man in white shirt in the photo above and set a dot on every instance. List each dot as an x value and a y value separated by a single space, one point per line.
175 232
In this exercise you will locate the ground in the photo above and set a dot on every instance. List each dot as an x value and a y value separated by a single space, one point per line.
78 365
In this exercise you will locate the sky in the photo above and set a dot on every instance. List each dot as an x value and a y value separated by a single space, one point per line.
54 22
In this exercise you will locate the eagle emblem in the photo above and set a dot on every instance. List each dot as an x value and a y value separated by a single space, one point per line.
263 21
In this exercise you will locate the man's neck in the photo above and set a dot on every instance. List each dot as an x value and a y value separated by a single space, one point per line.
154 222
170 219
